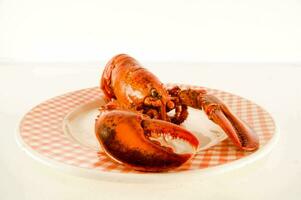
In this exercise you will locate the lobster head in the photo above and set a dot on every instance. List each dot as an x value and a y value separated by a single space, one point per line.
135 87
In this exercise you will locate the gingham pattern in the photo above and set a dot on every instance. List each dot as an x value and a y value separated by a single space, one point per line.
42 130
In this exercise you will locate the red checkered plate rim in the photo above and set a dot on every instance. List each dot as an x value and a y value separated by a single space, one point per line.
41 135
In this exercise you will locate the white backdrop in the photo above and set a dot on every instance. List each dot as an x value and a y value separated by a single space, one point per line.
188 31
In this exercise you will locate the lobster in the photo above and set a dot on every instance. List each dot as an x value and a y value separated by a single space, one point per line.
137 113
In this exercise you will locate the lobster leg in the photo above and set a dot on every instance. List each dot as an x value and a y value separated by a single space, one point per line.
126 138
238 131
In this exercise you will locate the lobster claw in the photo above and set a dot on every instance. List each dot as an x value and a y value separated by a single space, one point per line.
239 132
126 138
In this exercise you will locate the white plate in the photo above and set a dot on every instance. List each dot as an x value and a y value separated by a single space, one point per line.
60 133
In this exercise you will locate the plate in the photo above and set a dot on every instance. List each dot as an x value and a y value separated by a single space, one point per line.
60 133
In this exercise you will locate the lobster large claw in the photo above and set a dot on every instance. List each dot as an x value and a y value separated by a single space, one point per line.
126 138
238 131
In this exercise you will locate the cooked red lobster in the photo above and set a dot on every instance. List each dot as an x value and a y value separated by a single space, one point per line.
136 114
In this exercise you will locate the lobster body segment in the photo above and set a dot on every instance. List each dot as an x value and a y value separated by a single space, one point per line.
137 109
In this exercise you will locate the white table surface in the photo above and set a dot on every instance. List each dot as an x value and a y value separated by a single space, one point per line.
276 87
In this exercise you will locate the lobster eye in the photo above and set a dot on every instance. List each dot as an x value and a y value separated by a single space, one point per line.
154 93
